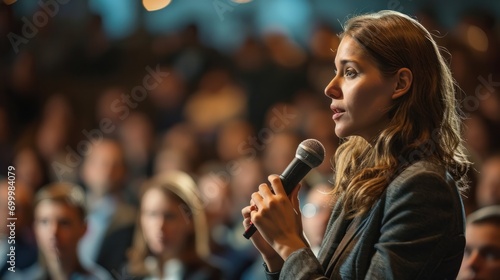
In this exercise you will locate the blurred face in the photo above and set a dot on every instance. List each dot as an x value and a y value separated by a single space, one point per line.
361 96
58 228
482 252
167 227
104 168
28 168
279 153
488 191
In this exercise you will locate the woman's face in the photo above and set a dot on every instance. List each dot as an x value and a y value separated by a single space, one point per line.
166 224
361 96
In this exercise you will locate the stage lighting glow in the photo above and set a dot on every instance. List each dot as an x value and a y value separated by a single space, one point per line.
9 2
241 1
155 5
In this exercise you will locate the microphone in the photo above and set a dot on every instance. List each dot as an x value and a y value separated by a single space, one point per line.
310 153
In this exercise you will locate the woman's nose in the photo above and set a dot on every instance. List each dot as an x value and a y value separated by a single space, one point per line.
332 90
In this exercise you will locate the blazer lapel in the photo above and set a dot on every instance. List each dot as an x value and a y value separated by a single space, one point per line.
355 225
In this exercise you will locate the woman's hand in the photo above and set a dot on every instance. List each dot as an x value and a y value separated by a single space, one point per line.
277 218
273 260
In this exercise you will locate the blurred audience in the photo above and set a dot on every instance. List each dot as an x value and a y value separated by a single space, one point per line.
215 188
228 119
110 218
218 99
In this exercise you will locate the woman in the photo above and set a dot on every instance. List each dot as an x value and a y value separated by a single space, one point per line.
397 175
171 241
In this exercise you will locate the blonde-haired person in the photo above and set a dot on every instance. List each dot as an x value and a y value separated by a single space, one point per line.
171 240
398 173
59 224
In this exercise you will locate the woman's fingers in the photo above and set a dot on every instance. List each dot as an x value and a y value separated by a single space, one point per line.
276 184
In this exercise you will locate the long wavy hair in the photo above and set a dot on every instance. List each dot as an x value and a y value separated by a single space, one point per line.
425 123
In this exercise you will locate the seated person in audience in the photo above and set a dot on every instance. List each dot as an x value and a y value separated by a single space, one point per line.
25 248
482 251
59 224
171 240
488 189
110 218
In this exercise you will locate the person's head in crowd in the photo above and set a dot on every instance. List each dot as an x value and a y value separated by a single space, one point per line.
170 93
59 224
137 135
281 117
232 138
217 100
488 188
477 136
111 105
183 138
315 214
282 50
54 131
482 251
172 237
322 40
490 101
104 170
168 159
215 190
279 151
31 168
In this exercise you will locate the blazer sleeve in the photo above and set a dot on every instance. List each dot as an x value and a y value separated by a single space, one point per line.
419 226
301 264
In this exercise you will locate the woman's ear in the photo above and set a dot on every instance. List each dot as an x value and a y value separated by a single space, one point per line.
404 80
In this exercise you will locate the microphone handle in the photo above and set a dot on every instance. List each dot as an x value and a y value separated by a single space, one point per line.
290 178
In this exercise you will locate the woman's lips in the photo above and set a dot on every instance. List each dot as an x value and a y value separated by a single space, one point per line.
337 112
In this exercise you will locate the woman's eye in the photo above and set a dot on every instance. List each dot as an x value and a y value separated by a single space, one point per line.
350 73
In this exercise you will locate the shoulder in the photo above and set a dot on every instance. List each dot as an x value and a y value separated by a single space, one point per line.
423 187
422 176
420 169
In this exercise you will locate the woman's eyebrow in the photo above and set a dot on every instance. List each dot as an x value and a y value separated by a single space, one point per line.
345 61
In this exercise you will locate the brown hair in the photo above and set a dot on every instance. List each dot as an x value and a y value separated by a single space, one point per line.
425 123
65 193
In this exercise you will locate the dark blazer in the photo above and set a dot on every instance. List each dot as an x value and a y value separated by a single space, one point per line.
414 231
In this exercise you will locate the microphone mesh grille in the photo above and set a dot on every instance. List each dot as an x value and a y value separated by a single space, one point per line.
315 147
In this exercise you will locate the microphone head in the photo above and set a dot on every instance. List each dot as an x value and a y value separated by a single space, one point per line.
311 152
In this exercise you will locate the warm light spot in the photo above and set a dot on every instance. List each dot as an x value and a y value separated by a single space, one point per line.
9 2
477 38
241 1
155 5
